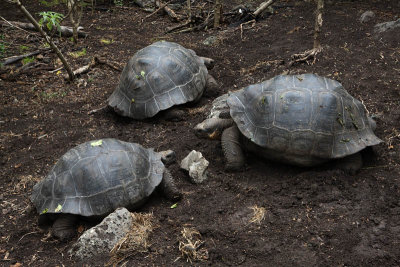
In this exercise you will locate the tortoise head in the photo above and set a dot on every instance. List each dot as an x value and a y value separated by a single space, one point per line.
212 128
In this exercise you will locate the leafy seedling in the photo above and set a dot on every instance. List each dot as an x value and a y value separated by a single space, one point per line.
28 60
78 53
96 143
51 19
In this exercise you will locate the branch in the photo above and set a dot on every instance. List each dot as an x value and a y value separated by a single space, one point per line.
262 7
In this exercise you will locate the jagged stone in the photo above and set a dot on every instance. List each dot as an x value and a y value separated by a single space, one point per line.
196 165
102 238
367 16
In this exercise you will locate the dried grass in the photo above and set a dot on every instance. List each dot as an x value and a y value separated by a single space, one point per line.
137 240
258 214
190 245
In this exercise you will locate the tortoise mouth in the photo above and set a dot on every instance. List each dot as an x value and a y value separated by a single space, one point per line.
214 135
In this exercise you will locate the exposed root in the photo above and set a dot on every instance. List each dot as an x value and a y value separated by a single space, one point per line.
136 240
190 245
258 214
306 56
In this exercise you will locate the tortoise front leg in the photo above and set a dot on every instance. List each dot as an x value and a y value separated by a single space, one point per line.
232 150
350 164
169 187
64 226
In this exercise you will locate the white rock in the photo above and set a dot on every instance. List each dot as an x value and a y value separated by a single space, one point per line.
102 238
196 165
367 16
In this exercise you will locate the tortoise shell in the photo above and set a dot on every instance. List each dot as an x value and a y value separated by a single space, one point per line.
304 115
158 77
96 177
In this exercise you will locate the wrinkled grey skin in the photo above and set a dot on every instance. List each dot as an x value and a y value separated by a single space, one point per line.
97 177
302 120
158 77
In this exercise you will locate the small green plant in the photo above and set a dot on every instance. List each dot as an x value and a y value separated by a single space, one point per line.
118 2
3 46
23 48
51 19
28 60
50 95
78 53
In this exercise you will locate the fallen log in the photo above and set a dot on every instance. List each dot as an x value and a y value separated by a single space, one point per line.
65 31
10 60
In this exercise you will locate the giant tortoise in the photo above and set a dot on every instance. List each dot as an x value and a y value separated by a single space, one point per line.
158 77
302 120
96 177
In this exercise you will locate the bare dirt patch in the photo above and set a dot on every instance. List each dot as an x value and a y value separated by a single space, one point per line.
312 216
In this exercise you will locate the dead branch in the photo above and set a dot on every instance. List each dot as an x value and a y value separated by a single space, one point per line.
311 54
75 11
262 7
175 28
161 7
242 24
217 13
95 61
45 36
10 60
64 30
172 15
318 23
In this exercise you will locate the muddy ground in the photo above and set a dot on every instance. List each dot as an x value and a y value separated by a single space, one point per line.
314 217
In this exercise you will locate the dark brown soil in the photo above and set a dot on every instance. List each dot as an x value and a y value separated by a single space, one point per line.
314 217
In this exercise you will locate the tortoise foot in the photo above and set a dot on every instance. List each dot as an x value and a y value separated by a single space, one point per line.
64 226
350 164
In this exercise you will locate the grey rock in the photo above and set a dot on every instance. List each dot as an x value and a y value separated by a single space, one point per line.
367 16
211 40
196 165
386 26
102 238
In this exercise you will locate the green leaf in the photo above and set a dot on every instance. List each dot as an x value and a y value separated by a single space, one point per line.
143 73
58 209
96 143
44 211
174 206
133 100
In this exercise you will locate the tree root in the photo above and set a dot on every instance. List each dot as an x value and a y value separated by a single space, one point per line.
306 56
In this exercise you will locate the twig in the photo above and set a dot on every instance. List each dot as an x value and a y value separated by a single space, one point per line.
173 16
262 7
26 235
241 27
14 26
158 9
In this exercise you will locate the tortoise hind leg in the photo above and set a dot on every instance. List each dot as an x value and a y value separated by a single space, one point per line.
350 164
64 226
233 153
